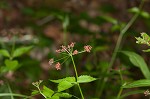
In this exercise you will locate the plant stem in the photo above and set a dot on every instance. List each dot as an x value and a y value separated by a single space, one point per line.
65 43
123 31
12 94
77 76
121 78
13 47
74 66
121 89
65 36
119 94
10 90
41 93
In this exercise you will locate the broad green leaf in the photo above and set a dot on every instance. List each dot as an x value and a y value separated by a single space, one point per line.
138 83
35 92
11 64
85 79
131 93
144 39
54 97
4 53
69 79
47 92
138 61
64 85
64 95
20 51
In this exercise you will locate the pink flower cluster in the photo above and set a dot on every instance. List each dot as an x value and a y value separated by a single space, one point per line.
87 48
66 48
69 50
57 65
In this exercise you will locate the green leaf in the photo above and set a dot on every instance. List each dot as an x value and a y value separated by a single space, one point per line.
138 61
69 79
11 64
134 10
109 19
138 83
20 51
4 53
64 85
64 95
144 14
54 97
148 50
47 92
35 92
85 79
131 93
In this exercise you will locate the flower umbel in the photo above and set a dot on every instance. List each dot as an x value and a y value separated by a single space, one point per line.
68 52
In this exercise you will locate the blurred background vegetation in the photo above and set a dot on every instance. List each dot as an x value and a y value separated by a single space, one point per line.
47 24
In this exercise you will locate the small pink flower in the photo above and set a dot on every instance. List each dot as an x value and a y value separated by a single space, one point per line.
64 48
68 46
51 61
58 66
72 44
75 52
58 51
87 48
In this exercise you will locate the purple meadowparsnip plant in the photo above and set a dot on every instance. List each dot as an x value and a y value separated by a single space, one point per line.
68 82
70 52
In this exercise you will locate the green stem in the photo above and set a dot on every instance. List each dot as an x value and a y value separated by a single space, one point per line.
10 90
12 94
119 94
65 36
77 76
61 58
124 30
65 43
121 89
121 78
74 66
41 93
13 47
